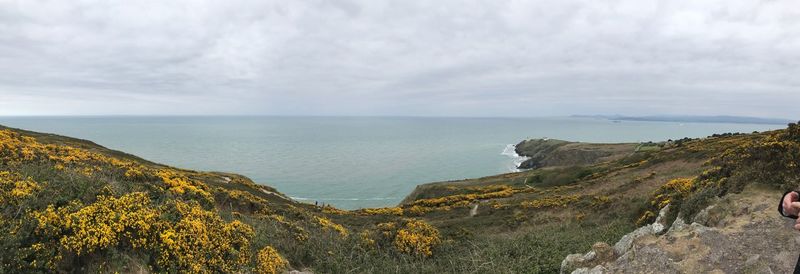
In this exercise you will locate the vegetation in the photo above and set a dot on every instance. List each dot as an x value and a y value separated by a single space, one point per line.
68 205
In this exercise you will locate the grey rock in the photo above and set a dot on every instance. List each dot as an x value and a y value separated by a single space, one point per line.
624 244
571 262
599 269
703 216
582 270
603 252
677 225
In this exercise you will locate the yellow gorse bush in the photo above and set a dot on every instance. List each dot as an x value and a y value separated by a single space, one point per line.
202 242
365 239
681 185
125 222
15 149
491 192
270 261
417 238
554 201
197 240
110 221
382 211
13 187
328 224
180 183
413 237
673 189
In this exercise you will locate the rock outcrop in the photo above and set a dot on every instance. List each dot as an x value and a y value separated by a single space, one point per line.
740 233
602 253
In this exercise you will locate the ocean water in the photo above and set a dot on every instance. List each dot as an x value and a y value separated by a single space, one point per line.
350 162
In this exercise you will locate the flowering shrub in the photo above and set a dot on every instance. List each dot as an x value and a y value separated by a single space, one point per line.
365 239
674 189
328 224
200 241
552 201
244 200
300 234
110 221
180 183
417 238
417 210
500 191
125 222
413 237
16 148
270 261
645 218
13 188
382 211
334 211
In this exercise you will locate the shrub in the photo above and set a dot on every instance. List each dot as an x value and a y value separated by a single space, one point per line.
270 261
413 237
14 187
200 241
328 224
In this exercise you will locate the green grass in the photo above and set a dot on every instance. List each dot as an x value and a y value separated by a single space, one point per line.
558 177
538 249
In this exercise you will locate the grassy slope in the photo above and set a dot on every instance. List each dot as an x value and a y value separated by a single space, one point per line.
612 196
526 222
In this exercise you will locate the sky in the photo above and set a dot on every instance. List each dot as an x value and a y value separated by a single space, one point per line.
406 57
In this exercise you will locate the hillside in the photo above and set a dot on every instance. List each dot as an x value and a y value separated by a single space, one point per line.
69 205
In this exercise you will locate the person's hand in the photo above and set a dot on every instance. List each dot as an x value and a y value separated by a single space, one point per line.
797 224
791 206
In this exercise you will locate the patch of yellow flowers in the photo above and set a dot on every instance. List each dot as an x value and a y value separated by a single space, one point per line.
417 237
677 188
270 261
201 241
16 148
192 238
328 224
411 236
498 191
14 187
382 211
552 201
180 183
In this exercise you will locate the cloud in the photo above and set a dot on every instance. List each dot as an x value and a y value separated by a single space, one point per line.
463 58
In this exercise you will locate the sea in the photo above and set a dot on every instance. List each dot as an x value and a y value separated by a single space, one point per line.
351 162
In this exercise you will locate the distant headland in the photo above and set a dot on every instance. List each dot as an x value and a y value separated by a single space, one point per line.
692 119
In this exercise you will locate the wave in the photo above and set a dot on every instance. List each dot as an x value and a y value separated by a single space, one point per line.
516 159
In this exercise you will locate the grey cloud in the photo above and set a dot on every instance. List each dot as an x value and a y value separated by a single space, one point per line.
470 58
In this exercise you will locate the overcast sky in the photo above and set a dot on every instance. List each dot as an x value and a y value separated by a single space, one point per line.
426 58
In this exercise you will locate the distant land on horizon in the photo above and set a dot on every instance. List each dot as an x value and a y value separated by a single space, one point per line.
693 119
